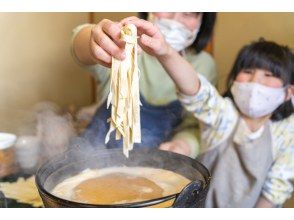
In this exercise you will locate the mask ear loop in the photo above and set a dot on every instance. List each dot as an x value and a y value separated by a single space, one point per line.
292 96
291 87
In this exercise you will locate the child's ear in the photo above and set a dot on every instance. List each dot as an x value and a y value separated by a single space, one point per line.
290 92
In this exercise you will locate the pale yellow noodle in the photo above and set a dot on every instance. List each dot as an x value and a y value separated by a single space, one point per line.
23 190
124 93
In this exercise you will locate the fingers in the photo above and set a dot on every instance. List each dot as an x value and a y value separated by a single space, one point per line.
176 146
151 40
105 39
126 20
170 146
106 42
146 41
109 46
113 30
143 26
167 146
100 54
179 151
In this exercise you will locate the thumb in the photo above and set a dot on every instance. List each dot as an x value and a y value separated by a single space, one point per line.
149 42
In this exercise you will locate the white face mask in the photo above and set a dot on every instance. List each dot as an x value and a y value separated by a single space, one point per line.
175 33
256 100
292 99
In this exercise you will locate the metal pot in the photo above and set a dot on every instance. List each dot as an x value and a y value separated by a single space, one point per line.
74 161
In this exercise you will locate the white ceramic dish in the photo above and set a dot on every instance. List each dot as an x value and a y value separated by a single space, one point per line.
6 140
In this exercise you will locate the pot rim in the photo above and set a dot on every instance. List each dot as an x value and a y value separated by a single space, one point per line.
203 170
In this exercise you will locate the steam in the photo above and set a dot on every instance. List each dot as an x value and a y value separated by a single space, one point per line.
54 129
42 133
57 132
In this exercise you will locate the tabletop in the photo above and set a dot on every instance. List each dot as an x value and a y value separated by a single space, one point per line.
8 202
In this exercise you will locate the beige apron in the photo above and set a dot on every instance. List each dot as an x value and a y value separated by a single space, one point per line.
238 172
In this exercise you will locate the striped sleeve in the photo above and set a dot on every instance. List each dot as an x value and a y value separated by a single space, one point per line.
278 186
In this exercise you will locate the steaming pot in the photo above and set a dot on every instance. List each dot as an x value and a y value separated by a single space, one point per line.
76 160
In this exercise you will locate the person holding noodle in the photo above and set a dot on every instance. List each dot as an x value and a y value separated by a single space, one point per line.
164 122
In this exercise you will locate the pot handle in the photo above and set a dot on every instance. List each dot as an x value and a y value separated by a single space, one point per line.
191 196
3 202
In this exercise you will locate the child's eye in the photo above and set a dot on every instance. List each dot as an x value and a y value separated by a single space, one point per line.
248 71
268 74
191 14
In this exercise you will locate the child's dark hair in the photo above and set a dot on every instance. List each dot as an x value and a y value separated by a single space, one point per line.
270 56
205 32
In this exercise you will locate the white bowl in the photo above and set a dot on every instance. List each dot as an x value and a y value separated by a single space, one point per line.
6 140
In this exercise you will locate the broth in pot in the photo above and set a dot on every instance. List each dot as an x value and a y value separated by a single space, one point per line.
120 185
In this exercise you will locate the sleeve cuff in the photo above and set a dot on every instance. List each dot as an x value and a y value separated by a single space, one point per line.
279 199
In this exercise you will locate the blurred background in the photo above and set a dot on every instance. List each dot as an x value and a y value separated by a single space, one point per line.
36 64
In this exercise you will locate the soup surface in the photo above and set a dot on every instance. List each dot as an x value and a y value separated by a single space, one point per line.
118 185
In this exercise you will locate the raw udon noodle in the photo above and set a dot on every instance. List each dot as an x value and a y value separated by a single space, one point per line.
23 190
120 185
124 93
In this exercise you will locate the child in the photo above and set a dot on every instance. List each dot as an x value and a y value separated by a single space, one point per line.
247 137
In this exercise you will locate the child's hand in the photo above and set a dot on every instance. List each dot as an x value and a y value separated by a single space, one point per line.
105 42
151 40
177 146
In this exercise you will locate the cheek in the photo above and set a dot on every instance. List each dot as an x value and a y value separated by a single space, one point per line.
241 77
192 23
274 82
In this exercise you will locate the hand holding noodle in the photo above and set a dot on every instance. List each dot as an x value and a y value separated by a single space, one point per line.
107 47
104 40
151 39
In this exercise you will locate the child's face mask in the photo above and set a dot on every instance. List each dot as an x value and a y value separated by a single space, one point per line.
176 34
256 100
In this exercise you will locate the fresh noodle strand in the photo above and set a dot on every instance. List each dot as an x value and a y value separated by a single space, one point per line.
124 95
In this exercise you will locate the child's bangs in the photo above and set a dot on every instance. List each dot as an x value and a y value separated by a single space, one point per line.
269 57
268 62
